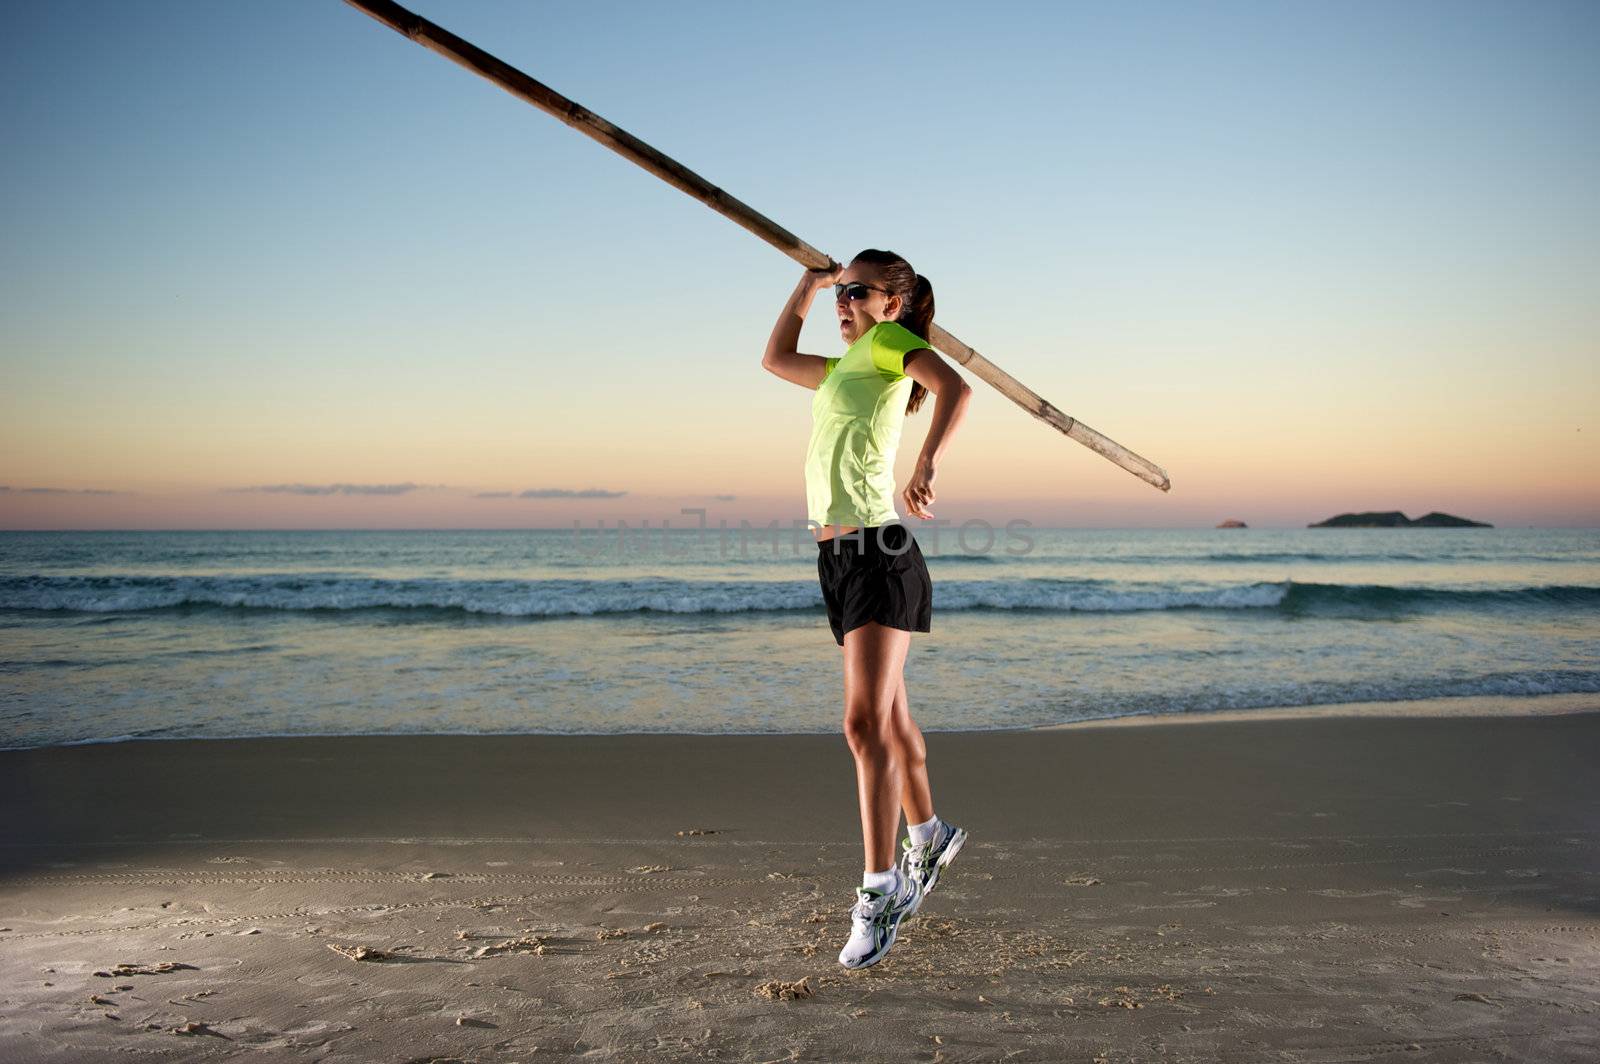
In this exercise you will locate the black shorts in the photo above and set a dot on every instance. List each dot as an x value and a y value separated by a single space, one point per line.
877 574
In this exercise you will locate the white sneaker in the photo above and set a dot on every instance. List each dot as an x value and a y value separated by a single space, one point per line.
924 863
875 918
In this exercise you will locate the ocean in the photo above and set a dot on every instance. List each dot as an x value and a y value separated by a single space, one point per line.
111 636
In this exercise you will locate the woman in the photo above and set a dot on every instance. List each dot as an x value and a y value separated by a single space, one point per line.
874 580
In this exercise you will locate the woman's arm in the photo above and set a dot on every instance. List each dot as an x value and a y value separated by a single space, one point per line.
951 395
781 357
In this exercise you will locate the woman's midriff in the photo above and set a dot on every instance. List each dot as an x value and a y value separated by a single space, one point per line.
826 532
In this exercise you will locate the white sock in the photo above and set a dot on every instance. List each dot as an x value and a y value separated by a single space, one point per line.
885 881
921 833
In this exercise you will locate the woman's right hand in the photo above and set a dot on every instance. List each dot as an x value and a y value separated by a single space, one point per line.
824 277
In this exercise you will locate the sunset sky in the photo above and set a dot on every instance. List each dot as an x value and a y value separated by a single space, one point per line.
274 266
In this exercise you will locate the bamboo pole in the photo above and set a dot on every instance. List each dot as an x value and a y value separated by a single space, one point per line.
438 39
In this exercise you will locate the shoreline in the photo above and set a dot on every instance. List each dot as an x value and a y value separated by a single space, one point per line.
1453 706
1440 707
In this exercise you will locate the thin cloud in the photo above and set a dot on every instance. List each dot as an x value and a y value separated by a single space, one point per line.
9 490
492 495
338 489
725 498
568 493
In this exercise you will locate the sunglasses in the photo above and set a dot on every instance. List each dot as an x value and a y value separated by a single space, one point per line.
855 290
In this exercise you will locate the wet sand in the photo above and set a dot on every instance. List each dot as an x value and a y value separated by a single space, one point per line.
1279 888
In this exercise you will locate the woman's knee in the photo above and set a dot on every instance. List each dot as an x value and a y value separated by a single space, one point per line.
869 726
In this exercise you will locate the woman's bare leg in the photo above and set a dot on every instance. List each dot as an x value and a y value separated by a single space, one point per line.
874 656
916 797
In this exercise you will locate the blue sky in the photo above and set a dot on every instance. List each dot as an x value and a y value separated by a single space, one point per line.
1250 241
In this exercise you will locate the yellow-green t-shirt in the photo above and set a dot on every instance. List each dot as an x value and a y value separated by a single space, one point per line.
856 416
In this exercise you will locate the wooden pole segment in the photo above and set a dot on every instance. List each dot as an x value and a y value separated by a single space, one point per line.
438 39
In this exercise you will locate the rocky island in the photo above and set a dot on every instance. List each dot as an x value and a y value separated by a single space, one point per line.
1396 519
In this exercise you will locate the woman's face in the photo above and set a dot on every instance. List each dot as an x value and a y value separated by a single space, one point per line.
856 316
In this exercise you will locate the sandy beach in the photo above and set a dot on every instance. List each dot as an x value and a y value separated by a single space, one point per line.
1355 887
